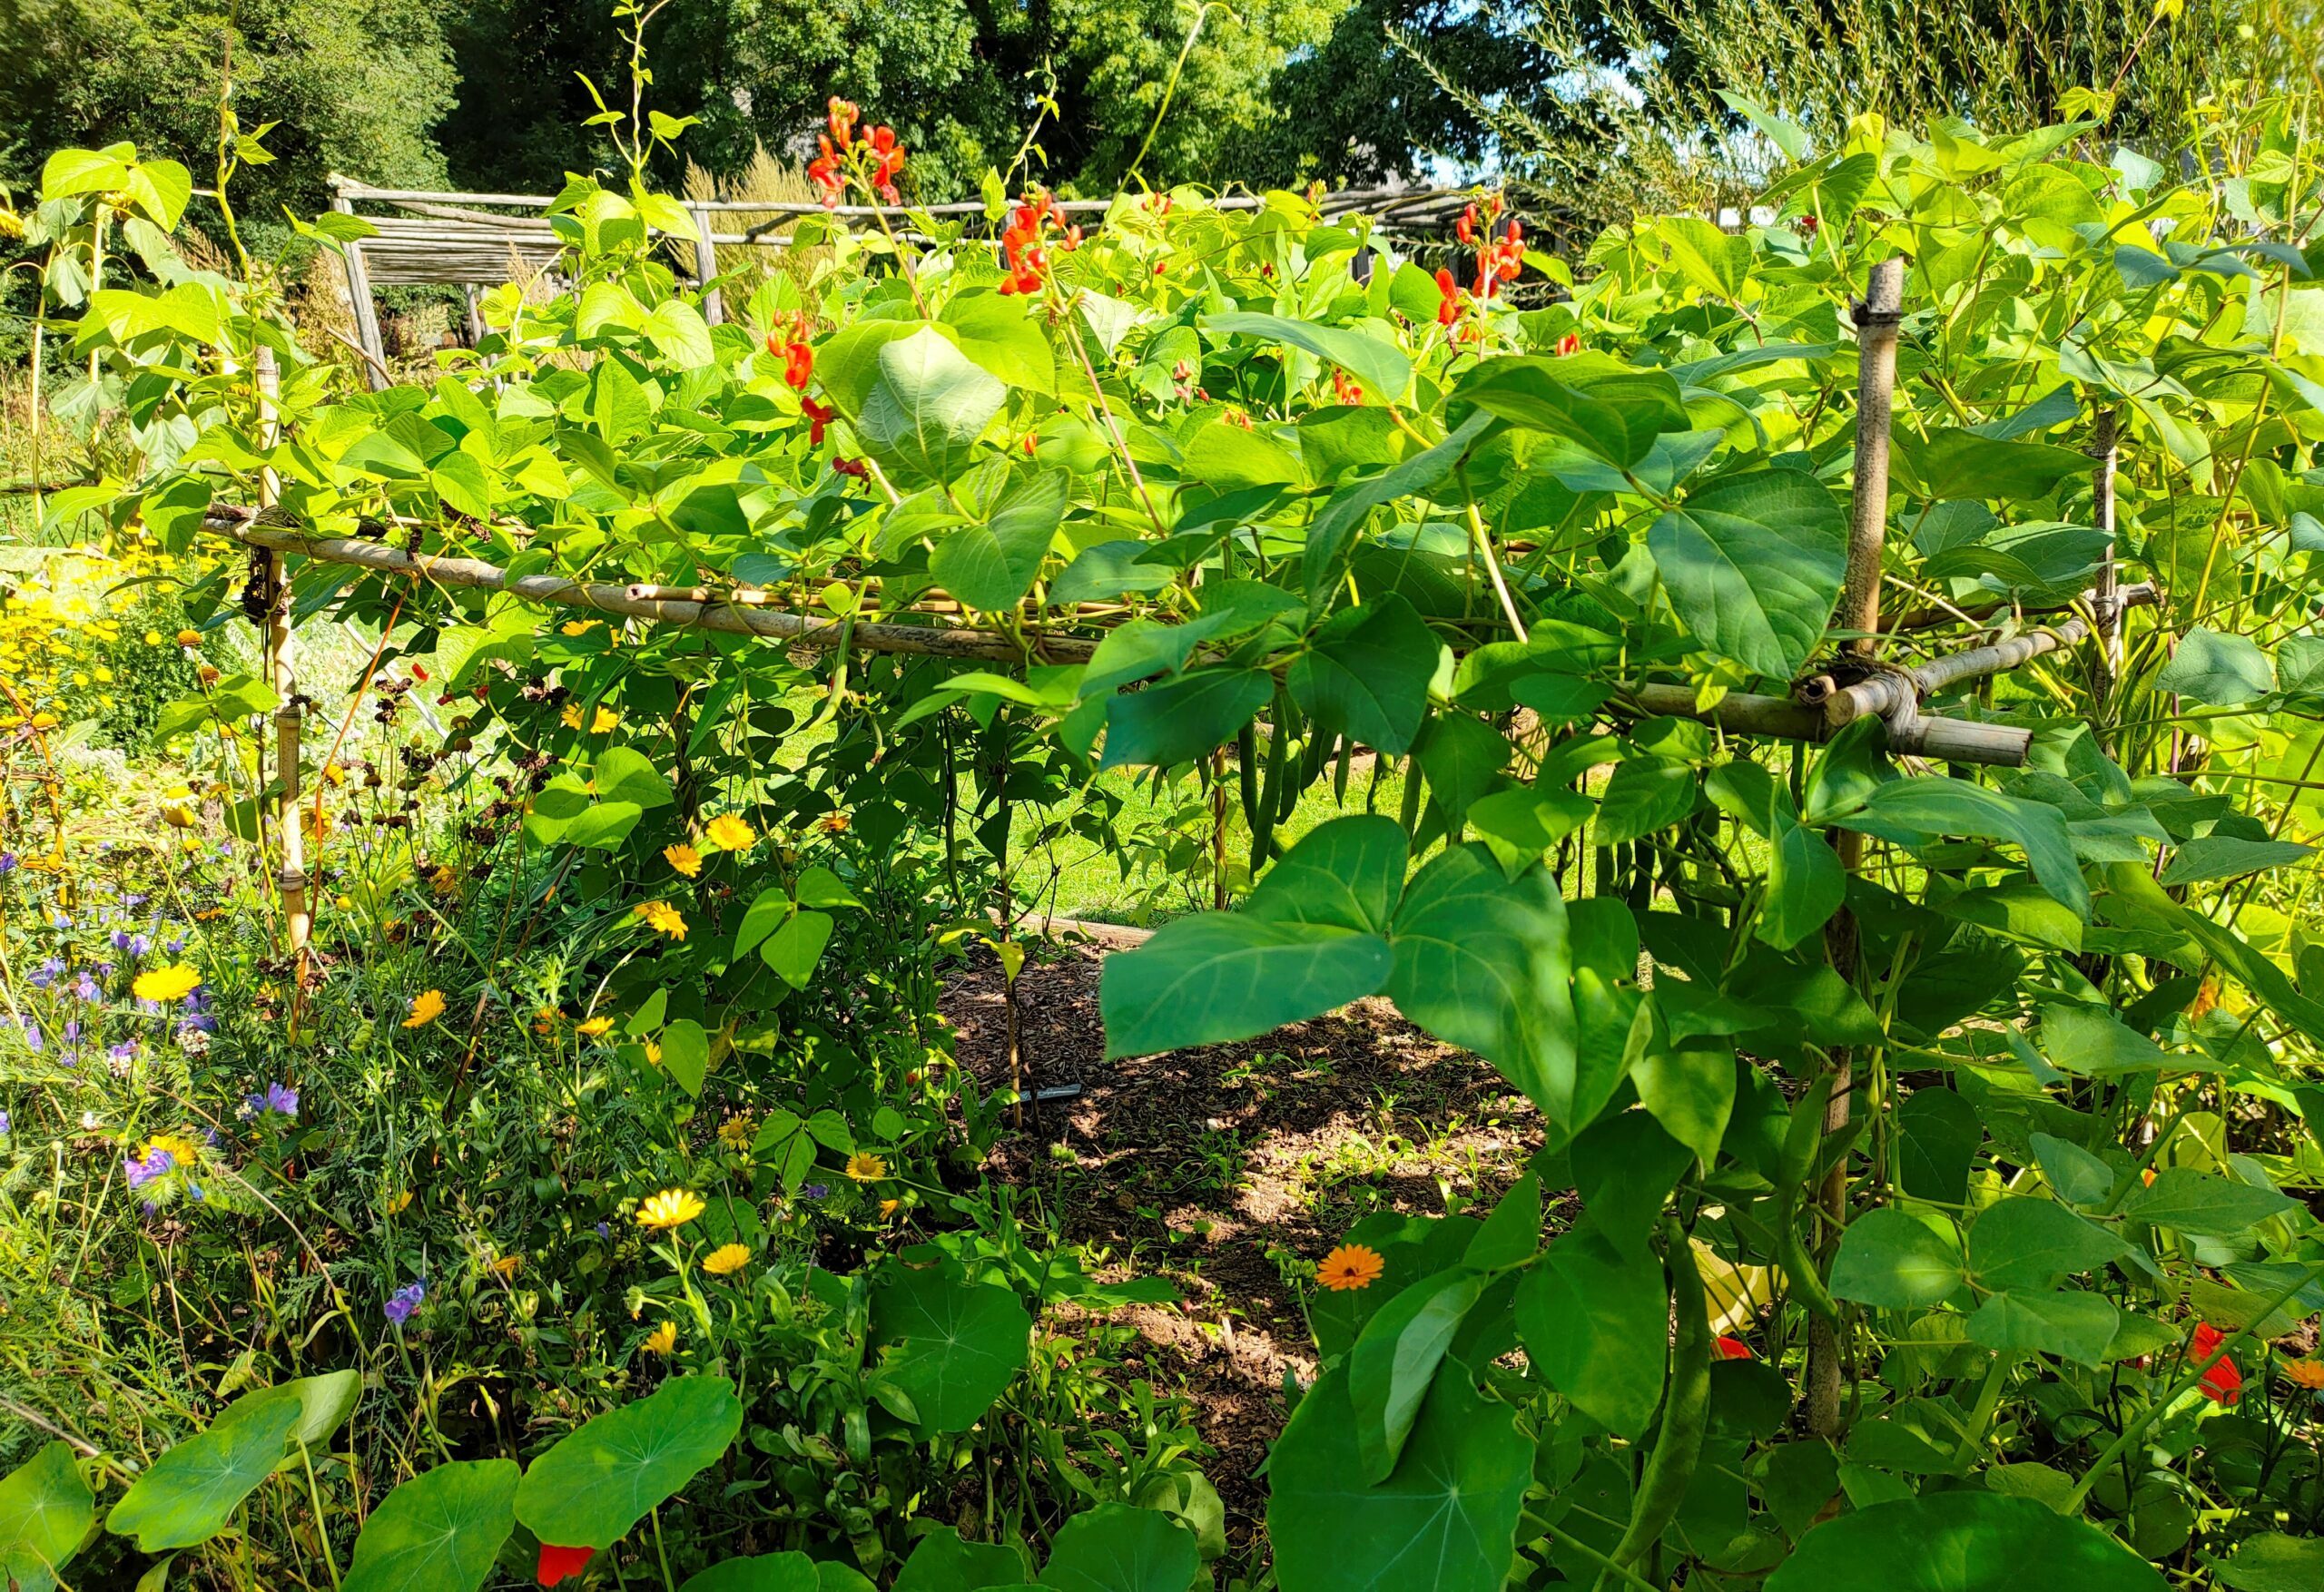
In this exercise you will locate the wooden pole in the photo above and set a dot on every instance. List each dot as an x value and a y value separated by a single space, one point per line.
2107 598
705 268
476 314
297 917
1875 320
358 297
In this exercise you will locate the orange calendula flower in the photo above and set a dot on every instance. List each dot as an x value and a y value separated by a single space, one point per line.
729 833
726 1259
426 1007
866 1167
662 1339
684 858
1350 1266
2305 1373
189 638
673 1207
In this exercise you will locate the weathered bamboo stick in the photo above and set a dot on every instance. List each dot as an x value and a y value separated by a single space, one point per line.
2141 596
928 640
358 299
297 918
2107 599
1876 320
1963 741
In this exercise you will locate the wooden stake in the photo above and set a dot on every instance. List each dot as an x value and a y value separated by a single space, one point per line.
358 297
297 919
705 268
1875 320
2107 598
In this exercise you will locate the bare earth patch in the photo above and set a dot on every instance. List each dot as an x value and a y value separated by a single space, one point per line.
1232 1170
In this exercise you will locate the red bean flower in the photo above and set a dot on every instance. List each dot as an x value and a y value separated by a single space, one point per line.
2222 1383
559 1563
1729 1348
819 415
1448 302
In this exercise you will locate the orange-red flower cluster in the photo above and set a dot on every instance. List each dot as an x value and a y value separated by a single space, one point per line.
1025 242
790 343
879 143
1344 388
1498 259
2222 1383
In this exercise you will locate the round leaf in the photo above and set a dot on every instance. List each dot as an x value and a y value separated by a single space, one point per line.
442 1530
1964 1541
950 1347
598 1482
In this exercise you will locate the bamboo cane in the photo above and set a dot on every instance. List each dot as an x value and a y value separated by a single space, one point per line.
1876 320
283 676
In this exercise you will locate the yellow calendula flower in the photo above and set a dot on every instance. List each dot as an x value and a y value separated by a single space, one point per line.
726 1259
171 983
578 626
673 1207
594 1026
182 1148
189 638
400 1203
684 858
729 833
508 1265
865 1167
662 1339
444 881
2305 1373
334 773
571 717
890 1207
663 918
736 1132
426 1007
604 722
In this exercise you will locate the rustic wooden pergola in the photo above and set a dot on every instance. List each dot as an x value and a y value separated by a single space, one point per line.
475 240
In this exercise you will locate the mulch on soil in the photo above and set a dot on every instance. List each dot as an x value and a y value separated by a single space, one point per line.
1225 1167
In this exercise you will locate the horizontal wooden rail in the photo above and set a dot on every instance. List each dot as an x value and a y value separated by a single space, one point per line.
773 625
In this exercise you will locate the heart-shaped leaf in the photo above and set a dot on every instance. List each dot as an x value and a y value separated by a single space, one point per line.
601 1479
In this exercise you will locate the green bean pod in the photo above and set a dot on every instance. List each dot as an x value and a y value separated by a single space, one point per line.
1246 767
1686 1407
1801 1140
1270 794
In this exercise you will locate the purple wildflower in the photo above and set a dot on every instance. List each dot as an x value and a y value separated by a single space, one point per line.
8 862
158 1163
815 1191
280 1098
404 1301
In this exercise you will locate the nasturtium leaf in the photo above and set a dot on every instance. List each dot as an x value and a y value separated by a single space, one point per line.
2029 1243
190 1492
1221 975
1394 1361
1114 1548
1344 873
945 1562
1380 366
1481 961
768 1572
2219 669
927 407
2190 1200
1446 1520
950 1345
990 566
1893 1261
1183 719
1753 564
442 1530
1594 1322
1367 672
1967 1541
602 1477
45 1513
